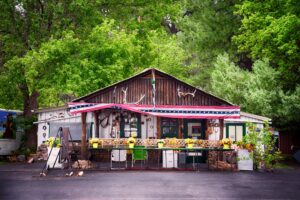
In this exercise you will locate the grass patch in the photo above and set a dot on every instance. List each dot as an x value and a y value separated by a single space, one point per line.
283 166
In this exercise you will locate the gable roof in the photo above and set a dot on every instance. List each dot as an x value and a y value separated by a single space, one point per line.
143 73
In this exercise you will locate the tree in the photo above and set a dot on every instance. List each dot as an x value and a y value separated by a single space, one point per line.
25 25
254 91
258 91
270 29
206 31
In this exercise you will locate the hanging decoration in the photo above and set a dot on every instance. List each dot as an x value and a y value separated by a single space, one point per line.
104 121
153 87
171 111
183 94
124 95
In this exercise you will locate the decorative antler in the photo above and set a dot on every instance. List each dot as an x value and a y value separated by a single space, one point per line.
125 95
142 97
180 94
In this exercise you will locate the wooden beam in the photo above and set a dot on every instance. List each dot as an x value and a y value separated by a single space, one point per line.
83 136
180 128
221 122
158 128
96 115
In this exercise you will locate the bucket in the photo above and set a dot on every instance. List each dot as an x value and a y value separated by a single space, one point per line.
95 145
131 145
160 145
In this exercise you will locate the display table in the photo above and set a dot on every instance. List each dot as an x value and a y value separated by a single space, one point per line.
163 158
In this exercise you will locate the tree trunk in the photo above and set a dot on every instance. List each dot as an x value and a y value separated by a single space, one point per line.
30 104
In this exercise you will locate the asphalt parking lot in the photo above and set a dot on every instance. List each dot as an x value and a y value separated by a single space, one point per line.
23 182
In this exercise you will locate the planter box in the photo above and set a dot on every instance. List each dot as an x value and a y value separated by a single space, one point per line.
245 162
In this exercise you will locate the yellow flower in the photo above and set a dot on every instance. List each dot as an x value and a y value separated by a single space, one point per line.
95 140
189 141
53 141
131 140
226 141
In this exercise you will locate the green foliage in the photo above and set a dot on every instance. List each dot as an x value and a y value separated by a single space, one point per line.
74 65
258 91
270 29
25 25
253 91
265 154
167 54
286 114
48 48
207 27
25 123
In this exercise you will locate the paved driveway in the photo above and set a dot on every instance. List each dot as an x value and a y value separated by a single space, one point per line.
24 183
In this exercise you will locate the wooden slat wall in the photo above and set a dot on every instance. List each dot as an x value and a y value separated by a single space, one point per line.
166 93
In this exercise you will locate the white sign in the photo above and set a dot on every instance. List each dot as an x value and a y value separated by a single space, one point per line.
54 156
245 162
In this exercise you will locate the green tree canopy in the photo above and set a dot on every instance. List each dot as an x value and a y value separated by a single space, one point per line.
270 29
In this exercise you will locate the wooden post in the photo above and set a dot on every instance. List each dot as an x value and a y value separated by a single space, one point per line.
221 122
180 127
83 136
158 128
96 114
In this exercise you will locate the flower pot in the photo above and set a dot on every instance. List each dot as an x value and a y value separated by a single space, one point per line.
226 146
190 146
160 145
131 145
95 145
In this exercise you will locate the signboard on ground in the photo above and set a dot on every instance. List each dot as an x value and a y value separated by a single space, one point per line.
245 161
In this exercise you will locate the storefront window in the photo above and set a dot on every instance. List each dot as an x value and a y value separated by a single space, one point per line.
235 131
169 127
131 125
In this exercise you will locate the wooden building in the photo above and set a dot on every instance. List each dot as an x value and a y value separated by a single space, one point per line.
153 104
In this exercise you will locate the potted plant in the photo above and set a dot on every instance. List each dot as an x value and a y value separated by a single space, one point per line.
160 143
131 141
189 142
95 142
53 142
226 142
